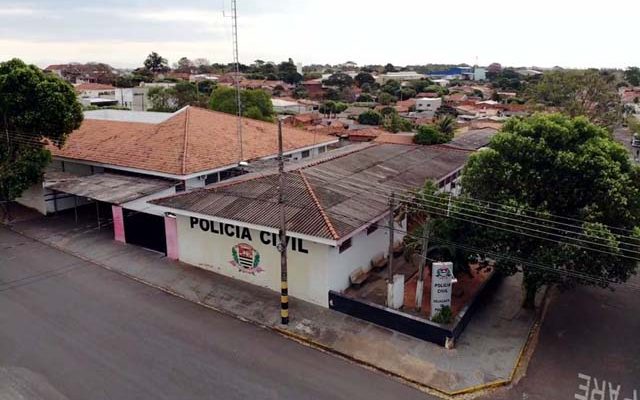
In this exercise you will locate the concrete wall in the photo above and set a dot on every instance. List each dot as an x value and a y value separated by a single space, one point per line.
363 249
427 104
213 251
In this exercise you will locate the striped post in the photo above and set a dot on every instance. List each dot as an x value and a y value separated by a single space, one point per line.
284 303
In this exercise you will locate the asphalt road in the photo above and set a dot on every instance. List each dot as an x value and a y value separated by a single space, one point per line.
69 329
592 332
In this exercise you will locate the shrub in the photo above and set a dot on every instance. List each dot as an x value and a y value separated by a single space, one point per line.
370 118
365 98
429 134
443 316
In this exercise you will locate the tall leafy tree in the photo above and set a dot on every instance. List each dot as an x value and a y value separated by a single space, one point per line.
156 63
184 65
34 107
552 167
339 79
632 75
256 104
364 77
589 93
288 72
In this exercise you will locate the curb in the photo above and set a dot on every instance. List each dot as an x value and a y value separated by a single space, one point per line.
309 342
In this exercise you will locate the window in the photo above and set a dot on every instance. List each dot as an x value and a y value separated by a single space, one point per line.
372 228
211 178
344 246
181 187
305 154
321 150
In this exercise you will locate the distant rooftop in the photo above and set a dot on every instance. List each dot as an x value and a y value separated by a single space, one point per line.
145 117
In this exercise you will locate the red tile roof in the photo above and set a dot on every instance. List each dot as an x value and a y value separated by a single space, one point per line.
93 86
394 138
192 140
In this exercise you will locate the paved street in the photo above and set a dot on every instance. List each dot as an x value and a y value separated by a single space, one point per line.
71 329
590 331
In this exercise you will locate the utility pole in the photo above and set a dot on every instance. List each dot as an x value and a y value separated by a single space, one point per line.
390 259
421 265
282 246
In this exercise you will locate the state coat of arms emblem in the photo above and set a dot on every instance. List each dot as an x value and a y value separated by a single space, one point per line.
246 258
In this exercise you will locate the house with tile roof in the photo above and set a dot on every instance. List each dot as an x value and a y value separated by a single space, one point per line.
336 213
123 159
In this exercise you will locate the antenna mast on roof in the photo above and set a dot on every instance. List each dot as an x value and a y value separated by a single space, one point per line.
236 78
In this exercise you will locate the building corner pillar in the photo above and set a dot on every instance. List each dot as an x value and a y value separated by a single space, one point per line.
171 233
118 223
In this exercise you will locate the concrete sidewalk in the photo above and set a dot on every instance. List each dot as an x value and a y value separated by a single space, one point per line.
486 354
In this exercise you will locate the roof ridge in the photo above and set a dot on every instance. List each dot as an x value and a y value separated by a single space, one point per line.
184 150
325 217
448 146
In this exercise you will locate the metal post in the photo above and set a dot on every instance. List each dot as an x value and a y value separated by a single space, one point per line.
421 265
236 60
75 207
98 213
282 246
390 257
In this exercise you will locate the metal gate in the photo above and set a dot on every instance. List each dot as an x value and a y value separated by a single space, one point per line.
145 230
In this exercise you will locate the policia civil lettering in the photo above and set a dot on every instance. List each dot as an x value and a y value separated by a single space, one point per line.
243 233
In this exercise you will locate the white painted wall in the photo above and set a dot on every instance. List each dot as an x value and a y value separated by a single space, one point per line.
428 104
34 198
363 249
212 251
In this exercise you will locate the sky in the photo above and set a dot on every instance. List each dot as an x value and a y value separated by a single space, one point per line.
544 33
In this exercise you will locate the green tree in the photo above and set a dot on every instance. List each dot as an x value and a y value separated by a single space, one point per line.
364 77
288 72
407 93
575 93
156 63
392 87
365 98
185 93
370 117
385 99
300 92
395 123
339 79
184 65
420 85
332 107
332 94
429 134
555 165
255 103
446 124
161 99
389 68
632 75
34 107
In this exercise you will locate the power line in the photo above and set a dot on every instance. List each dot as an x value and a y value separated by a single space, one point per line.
447 213
406 234
367 187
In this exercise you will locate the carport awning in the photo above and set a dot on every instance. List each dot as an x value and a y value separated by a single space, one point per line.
105 187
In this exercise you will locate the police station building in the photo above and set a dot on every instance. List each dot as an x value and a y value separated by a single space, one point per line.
337 214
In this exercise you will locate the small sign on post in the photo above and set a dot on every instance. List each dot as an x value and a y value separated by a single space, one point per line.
441 281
